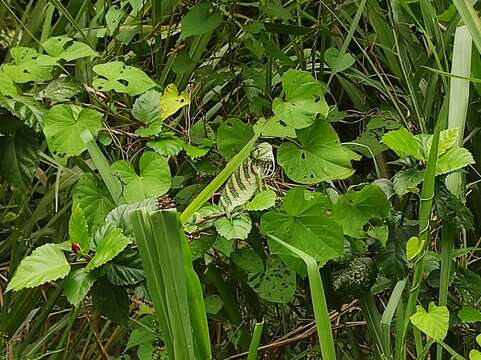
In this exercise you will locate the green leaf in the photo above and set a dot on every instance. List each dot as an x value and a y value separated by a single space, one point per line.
7 86
78 230
413 247
454 159
302 223
172 101
113 17
203 13
111 301
140 335
275 127
434 323
213 304
277 284
474 355
469 315
26 109
63 125
380 232
153 179
19 157
320 156
77 285
336 63
403 143
146 108
108 247
46 263
126 268
354 209
60 90
29 66
262 201
94 200
153 129
169 146
237 227
63 47
232 136
304 100
407 181
113 75
248 260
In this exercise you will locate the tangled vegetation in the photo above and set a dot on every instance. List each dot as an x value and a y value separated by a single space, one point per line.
224 180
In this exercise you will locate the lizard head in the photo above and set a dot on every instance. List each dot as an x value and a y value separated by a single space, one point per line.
263 153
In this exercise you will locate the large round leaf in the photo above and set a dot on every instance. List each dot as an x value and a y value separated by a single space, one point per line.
302 223
63 125
153 180
320 156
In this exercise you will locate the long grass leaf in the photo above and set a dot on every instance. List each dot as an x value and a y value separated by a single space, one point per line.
319 304
471 20
256 338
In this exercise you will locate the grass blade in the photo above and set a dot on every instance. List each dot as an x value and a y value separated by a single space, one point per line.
470 19
319 304
256 338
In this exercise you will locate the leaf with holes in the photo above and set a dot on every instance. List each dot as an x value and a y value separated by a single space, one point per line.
94 200
354 209
153 178
276 127
122 78
60 90
172 101
63 125
29 66
232 135
237 227
277 284
320 156
248 260
304 100
19 157
146 108
303 223
108 247
46 263
434 322
65 48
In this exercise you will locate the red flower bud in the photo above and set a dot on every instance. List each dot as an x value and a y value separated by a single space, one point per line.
75 248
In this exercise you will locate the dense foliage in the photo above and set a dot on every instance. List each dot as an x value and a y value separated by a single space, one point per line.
224 180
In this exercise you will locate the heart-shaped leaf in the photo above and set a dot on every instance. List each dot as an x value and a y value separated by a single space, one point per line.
232 135
237 227
338 63
320 156
63 125
146 108
434 322
172 101
304 100
153 179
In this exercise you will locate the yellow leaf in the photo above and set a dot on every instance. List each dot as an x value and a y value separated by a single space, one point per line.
171 101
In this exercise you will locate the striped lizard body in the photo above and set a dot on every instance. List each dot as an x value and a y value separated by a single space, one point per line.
247 179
